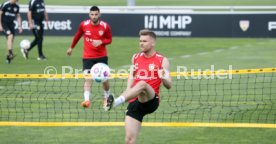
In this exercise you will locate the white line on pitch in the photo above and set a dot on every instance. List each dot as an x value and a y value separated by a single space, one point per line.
25 83
186 56
233 48
203 53
218 50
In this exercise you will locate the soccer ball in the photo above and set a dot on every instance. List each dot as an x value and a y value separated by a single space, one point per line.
100 72
25 44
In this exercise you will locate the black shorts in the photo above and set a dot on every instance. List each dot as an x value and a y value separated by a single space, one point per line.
88 63
138 110
8 28
38 25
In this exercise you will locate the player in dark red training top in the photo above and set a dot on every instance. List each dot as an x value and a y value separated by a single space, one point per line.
96 35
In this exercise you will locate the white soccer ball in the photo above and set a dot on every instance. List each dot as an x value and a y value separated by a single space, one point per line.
100 72
25 44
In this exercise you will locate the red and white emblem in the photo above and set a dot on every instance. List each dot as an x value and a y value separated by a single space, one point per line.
101 32
151 67
244 25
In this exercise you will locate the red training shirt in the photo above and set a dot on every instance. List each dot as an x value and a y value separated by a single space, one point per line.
146 69
91 32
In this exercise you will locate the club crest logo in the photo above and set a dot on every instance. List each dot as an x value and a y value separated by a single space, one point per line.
135 66
244 25
101 32
151 67
15 9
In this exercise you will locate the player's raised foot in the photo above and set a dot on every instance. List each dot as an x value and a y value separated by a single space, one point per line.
10 58
110 102
85 104
42 58
25 53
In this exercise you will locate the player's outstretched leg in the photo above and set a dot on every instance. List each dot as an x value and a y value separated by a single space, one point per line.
106 93
25 53
110 102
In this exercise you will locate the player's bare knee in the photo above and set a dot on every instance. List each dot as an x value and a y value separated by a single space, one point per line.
142 85
10 36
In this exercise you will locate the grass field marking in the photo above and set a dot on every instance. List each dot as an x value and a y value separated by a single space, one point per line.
146 124
25 83
186 56
206 53
202 53
218 50
234 48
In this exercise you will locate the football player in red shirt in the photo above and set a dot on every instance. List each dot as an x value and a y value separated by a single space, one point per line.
149 70
96 35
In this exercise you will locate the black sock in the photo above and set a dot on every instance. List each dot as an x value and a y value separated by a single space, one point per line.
10 52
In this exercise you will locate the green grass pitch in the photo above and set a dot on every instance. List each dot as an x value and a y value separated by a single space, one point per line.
194 53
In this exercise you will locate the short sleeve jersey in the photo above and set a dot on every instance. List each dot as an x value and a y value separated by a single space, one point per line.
90 32
37 7
10 12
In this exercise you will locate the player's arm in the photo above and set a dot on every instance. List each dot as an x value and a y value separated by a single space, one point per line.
30 21
46 17
29 15
1 12
131 74
164 73
19 21
108 36
76 39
